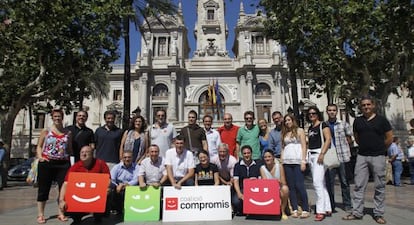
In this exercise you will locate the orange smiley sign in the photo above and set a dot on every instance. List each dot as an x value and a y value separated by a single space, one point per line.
86 192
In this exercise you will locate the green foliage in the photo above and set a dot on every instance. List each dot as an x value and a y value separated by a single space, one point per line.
51 49
363 45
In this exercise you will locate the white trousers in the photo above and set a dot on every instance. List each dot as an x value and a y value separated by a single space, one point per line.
323 204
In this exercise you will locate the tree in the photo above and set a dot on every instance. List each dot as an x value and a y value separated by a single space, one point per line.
139 10
346 53
51 50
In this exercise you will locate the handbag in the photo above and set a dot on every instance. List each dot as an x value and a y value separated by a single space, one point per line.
330 159
32 176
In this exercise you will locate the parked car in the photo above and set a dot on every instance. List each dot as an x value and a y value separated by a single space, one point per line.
20 171
16 161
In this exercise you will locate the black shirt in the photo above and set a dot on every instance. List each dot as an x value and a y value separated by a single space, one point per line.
371 135
205 176
80 137
314 136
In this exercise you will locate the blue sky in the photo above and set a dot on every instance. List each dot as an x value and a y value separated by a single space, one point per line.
190 17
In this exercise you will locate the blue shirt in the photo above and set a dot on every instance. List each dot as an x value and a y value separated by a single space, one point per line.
121 174
395 150
275 142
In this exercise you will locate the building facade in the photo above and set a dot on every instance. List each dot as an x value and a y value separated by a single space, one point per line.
209 81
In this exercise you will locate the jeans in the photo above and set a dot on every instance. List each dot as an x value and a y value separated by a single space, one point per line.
330 186
296 183
397 169
362 166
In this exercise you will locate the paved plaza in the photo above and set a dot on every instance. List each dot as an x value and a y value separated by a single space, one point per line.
17 207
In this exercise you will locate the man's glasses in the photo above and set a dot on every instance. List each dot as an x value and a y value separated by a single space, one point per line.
248 118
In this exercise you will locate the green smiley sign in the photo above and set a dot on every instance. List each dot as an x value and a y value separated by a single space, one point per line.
142 204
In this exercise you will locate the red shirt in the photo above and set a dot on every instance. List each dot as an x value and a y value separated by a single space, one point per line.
98 166
228 136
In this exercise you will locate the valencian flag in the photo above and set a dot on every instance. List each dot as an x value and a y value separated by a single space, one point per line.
213 93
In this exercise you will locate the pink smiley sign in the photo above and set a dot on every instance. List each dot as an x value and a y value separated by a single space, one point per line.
261 197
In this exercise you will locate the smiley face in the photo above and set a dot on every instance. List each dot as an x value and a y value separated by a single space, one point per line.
85 200
257 191
86 192
142 204
171 203
261 197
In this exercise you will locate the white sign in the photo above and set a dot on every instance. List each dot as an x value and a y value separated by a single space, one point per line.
197 203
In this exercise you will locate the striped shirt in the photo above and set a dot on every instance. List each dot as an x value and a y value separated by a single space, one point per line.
341 130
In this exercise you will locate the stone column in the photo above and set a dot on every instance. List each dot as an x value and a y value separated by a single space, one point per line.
144 91
249 78
278 92
172 101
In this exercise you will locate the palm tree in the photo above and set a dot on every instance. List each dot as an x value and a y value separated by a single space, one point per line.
140 11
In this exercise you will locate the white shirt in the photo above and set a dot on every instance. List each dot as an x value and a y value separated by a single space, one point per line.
152 172
180 163
162 136
226 167
213 141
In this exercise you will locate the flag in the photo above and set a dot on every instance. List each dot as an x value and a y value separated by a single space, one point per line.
210 99
218 96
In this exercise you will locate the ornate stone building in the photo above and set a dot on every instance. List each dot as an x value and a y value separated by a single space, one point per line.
164 76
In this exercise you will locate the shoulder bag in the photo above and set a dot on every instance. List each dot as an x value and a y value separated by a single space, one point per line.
330 159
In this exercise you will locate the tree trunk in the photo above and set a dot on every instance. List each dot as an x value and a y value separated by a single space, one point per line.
7 126
293 67
127 76
30 131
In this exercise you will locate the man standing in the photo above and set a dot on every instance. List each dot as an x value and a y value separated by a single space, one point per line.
180 165
82 135
275 141
247 168
194 135
225 163
341 133
249 135
152 171
108 140
162 133
228 134
87 164
373 133
212 136
396 156
123 174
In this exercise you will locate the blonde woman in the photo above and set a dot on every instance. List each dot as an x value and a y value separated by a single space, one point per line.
293 156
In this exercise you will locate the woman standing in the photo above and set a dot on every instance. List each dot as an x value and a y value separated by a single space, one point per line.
319 136
263 136
272 169
293 157
53 150
135 139
206 173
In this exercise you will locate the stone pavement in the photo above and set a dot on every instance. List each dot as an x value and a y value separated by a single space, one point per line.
17 207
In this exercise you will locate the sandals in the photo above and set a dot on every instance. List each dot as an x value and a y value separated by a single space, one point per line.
380 220
284 217
304 215
62 218
351 217
41 219
294 214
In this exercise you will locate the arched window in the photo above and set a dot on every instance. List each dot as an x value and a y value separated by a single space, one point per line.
160 92
209 107
262 90
263 101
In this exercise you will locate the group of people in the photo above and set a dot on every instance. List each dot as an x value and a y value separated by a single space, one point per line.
159 156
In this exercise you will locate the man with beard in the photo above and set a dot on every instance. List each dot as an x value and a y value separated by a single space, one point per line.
82 135
108 140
